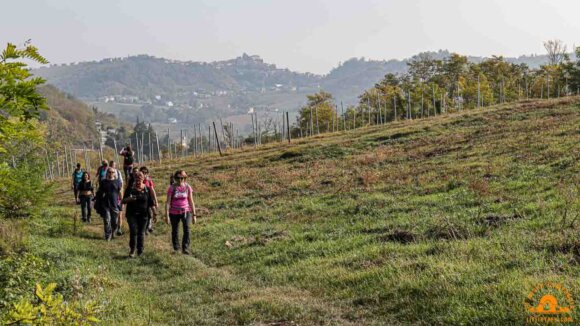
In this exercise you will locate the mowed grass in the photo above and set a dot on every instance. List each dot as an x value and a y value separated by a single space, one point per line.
447 220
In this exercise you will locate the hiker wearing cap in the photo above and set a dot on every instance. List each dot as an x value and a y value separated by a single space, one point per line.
137 201
86 194
180 208
108 203
77 177
148 181
128 160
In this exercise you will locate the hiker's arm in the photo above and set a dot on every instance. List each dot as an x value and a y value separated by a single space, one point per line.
192 204
154 195
167 204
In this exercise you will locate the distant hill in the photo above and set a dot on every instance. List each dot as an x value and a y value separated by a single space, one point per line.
161 90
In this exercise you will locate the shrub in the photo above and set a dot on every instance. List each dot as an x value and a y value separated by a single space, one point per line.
22 186
48 308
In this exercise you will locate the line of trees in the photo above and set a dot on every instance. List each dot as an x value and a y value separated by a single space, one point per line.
432 87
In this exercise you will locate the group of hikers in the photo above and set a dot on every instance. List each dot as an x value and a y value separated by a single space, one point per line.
110 197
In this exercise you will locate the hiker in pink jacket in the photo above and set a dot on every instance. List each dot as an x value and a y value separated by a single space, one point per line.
180 208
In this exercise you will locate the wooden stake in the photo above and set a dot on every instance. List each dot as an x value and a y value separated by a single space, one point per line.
216 139
158 149
288 127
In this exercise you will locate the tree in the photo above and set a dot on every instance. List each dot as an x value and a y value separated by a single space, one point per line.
21 136
318 113
18 95
556 51
572 71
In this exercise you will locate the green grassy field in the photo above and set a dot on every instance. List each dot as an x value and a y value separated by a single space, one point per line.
449 220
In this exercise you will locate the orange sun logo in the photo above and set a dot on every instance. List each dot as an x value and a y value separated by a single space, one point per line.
550 302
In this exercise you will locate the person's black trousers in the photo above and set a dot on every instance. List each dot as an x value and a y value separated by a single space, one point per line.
185 219
137 226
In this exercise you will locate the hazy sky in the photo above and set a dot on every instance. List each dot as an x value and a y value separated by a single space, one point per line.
302 35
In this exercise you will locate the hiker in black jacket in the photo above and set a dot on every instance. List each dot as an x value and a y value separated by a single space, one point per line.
138 199
108 202
86 194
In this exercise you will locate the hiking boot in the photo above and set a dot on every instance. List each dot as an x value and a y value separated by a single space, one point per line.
185 251
132 254
119 232
139 253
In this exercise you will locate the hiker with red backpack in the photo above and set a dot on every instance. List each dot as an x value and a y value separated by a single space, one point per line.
138 199
153 210
180 208
77 177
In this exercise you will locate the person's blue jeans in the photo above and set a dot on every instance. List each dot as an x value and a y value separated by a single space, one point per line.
175 219
85 208
110 222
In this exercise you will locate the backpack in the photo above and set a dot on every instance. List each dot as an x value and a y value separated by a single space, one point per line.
128 158
148 182
102 173
150 199
174 187
78 176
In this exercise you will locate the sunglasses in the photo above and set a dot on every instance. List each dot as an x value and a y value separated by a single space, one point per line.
180 178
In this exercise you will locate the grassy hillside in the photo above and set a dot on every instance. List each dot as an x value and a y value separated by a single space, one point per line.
450 220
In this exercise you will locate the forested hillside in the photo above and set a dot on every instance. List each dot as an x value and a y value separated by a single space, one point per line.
69 120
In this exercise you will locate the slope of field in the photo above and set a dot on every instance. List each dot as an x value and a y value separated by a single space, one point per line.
448 220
